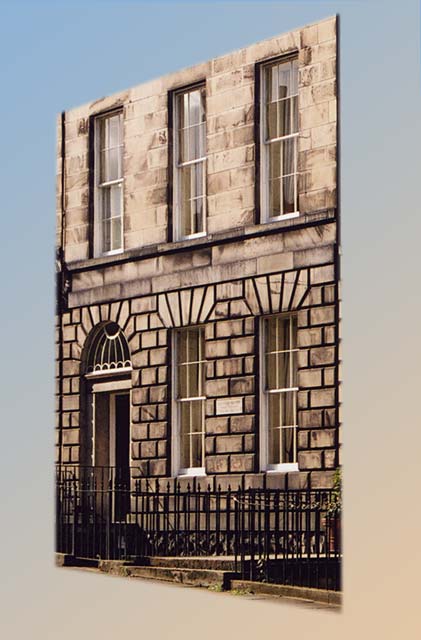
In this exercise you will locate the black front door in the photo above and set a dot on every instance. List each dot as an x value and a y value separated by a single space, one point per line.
122 455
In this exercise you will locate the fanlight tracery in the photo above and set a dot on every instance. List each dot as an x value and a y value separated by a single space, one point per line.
108 350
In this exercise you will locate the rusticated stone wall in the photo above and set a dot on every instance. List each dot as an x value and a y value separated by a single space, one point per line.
229 311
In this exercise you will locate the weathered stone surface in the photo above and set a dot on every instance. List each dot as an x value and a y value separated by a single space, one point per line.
217 425
243 462
226 281
309 459
216 464
228 444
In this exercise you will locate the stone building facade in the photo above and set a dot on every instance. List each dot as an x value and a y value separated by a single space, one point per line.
227 279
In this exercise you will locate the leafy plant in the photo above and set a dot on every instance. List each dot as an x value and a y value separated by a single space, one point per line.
334 506
240 592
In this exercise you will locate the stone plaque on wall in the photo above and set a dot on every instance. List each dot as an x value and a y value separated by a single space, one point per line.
229 405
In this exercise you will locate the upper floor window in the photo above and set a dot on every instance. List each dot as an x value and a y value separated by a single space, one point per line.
108 205
279 139
190 163
189 398
279 374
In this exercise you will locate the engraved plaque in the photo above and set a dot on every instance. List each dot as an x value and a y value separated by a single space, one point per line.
229 405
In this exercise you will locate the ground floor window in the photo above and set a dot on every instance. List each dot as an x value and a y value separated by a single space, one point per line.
189 401
279 389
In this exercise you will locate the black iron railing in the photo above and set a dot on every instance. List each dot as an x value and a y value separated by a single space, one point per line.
284 536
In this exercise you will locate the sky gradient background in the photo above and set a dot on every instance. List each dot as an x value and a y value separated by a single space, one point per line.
55 56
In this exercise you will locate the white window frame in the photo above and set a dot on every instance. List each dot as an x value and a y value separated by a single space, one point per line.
265 148
177 166
176 469
264 416
97 244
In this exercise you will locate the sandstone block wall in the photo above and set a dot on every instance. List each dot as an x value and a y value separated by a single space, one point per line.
226 281
231 144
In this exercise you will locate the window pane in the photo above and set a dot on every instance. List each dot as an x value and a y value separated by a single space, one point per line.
191 433
183 145
282 409
191 126
105 195
271 120
196 452
201 140
114 130
185 418
192 198
197 106
186 188
284 89
111 217
294 109
116 234
282 445
271 372
197 208
280 367
185 451
283 341
294 77
190 369
274 456
284 118
288 195
182 346
285 368
182 381
115 199
106 235
288 156
194 380
192 451
271 83
196 411
114 164
190 372
278 333
196 141
275 160
288 445
195 109
191 142
111 148
274 198
279 370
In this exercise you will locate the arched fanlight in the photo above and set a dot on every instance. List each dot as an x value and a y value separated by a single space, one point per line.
108 350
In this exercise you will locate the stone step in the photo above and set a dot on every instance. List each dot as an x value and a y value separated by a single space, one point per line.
218 563
324 596
186 576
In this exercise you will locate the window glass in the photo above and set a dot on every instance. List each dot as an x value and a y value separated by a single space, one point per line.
190 173
280 388
190 396
280 139
109 184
